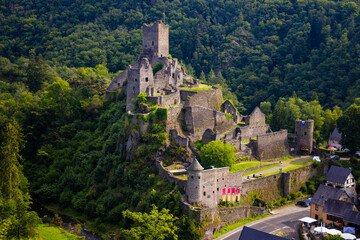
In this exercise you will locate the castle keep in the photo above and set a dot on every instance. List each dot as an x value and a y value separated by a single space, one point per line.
197 111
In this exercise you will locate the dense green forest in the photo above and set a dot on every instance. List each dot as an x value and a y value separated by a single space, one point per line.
294 59
264 49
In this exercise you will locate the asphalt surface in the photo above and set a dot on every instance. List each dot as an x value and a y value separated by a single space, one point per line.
283 220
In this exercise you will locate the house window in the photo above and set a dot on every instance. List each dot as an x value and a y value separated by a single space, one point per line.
204 194
316 217
203 186
213 192
316 207
152 43
217 180
192 177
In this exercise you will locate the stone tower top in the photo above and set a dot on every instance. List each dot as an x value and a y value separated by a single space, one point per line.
156 39
195 166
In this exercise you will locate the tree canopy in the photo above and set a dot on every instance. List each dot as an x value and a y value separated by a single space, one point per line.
217 154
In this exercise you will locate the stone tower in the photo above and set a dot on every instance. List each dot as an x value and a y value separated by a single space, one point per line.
156 39
193 189
304 131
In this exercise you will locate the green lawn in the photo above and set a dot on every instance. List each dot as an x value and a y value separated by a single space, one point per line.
262 169
52 232
201 87
230 227
291 166
245 165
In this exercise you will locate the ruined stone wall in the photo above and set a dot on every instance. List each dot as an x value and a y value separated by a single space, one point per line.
171 178
250 131
257 117
166 100
156 39
211 99
119 81
178 139
228 107
172 121
199 119
273 145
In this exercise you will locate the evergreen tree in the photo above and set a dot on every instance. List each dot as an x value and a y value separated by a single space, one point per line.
16 220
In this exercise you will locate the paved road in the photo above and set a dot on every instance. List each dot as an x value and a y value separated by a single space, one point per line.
283 220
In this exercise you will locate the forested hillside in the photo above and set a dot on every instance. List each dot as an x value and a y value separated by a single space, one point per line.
264 49
294 59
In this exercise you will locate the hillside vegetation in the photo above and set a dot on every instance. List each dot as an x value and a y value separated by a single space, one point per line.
264 49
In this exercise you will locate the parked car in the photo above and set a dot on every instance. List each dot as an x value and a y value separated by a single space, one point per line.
335 157
302 203
317 158
357 154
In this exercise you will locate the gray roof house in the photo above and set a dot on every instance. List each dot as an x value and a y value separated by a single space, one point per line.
340 178
324 193
253 234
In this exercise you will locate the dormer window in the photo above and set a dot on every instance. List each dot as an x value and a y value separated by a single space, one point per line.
152 43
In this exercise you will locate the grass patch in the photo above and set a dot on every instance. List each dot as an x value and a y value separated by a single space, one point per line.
230 227
201 87
290 166
262 169
245 165
51 232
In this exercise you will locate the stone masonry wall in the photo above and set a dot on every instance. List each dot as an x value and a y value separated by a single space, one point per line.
211 99
171 178
271 188
273 145
199 119
252 131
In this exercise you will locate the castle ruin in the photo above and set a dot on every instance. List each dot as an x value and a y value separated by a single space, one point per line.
197 111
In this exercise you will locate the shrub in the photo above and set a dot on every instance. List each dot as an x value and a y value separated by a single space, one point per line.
157 67
228 116
161 114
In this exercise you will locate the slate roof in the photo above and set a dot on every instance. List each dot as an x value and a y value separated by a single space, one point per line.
252 234
337 207
337 174
335 135
342 209
325 192
352 217
195 166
